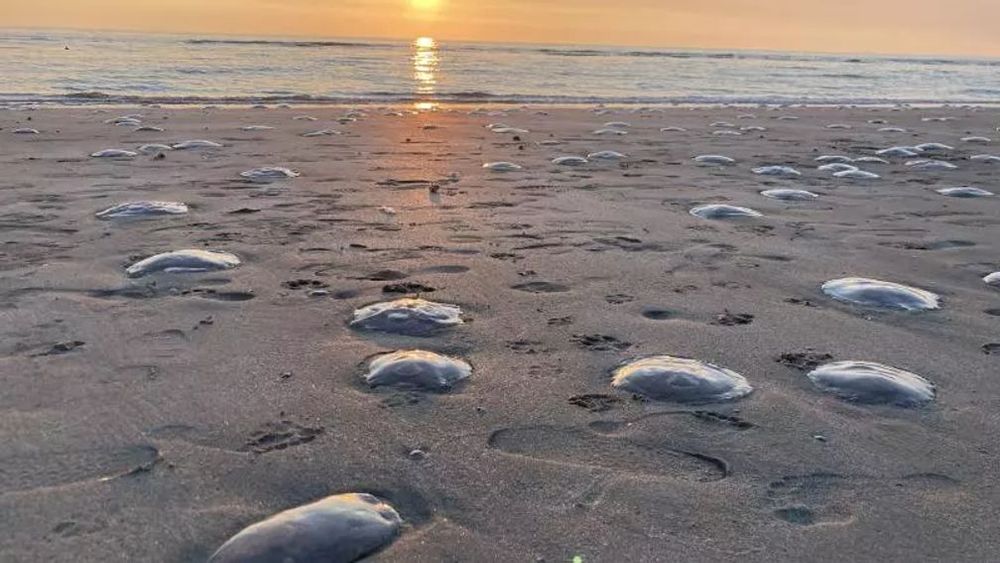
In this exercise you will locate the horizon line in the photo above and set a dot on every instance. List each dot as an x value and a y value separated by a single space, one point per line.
482 42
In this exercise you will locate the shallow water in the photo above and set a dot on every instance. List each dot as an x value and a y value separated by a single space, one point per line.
108 66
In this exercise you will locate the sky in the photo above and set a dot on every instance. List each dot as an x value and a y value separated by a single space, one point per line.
964 27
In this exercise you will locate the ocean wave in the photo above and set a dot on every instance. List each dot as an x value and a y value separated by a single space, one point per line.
389 98
286 43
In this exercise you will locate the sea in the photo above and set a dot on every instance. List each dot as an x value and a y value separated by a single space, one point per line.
74 67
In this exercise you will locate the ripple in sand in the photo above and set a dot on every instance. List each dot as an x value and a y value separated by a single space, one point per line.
124 121
835 167
269 174
136 209
25 131
502 167
877 293
964 192
985 158
154 148
417 369
340 528
682 380
778 171
569 161
993 279
719 211
872 383
304 118
606 155
188 261
114 153
856 174
789 195
714 160
196 144
414 317
925 164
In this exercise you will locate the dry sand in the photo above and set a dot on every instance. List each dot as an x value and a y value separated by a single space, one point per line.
151 419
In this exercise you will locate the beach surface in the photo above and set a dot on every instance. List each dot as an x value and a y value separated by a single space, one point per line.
152 418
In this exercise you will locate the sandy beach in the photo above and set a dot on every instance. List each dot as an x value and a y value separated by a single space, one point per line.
152 418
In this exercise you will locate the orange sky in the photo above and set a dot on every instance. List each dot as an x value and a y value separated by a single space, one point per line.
857 26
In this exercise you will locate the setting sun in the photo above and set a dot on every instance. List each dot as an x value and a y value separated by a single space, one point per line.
425 5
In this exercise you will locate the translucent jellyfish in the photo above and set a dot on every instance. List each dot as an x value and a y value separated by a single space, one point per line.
417 369
977 140
898 152
408 316
835 167
197 144
269 174
139 209
834 158
838 126
856 174
606 155
114 153
873 383
789 194
877 293
25 131
672 129
257 128
148 129
681 380
927 164
322 133
341 528
993 279
183 262
727 132
985 158
569 161
871 160
501 166
964 192
934 147
714 160
154 148
610 131
892 130
719 211
778 171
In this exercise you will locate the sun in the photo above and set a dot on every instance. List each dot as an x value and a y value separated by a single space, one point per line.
425 5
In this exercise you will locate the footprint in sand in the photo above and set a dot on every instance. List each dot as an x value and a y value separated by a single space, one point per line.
540 287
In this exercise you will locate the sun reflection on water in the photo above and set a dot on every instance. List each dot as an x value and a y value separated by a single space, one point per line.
426 60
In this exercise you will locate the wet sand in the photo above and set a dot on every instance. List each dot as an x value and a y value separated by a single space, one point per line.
152 418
